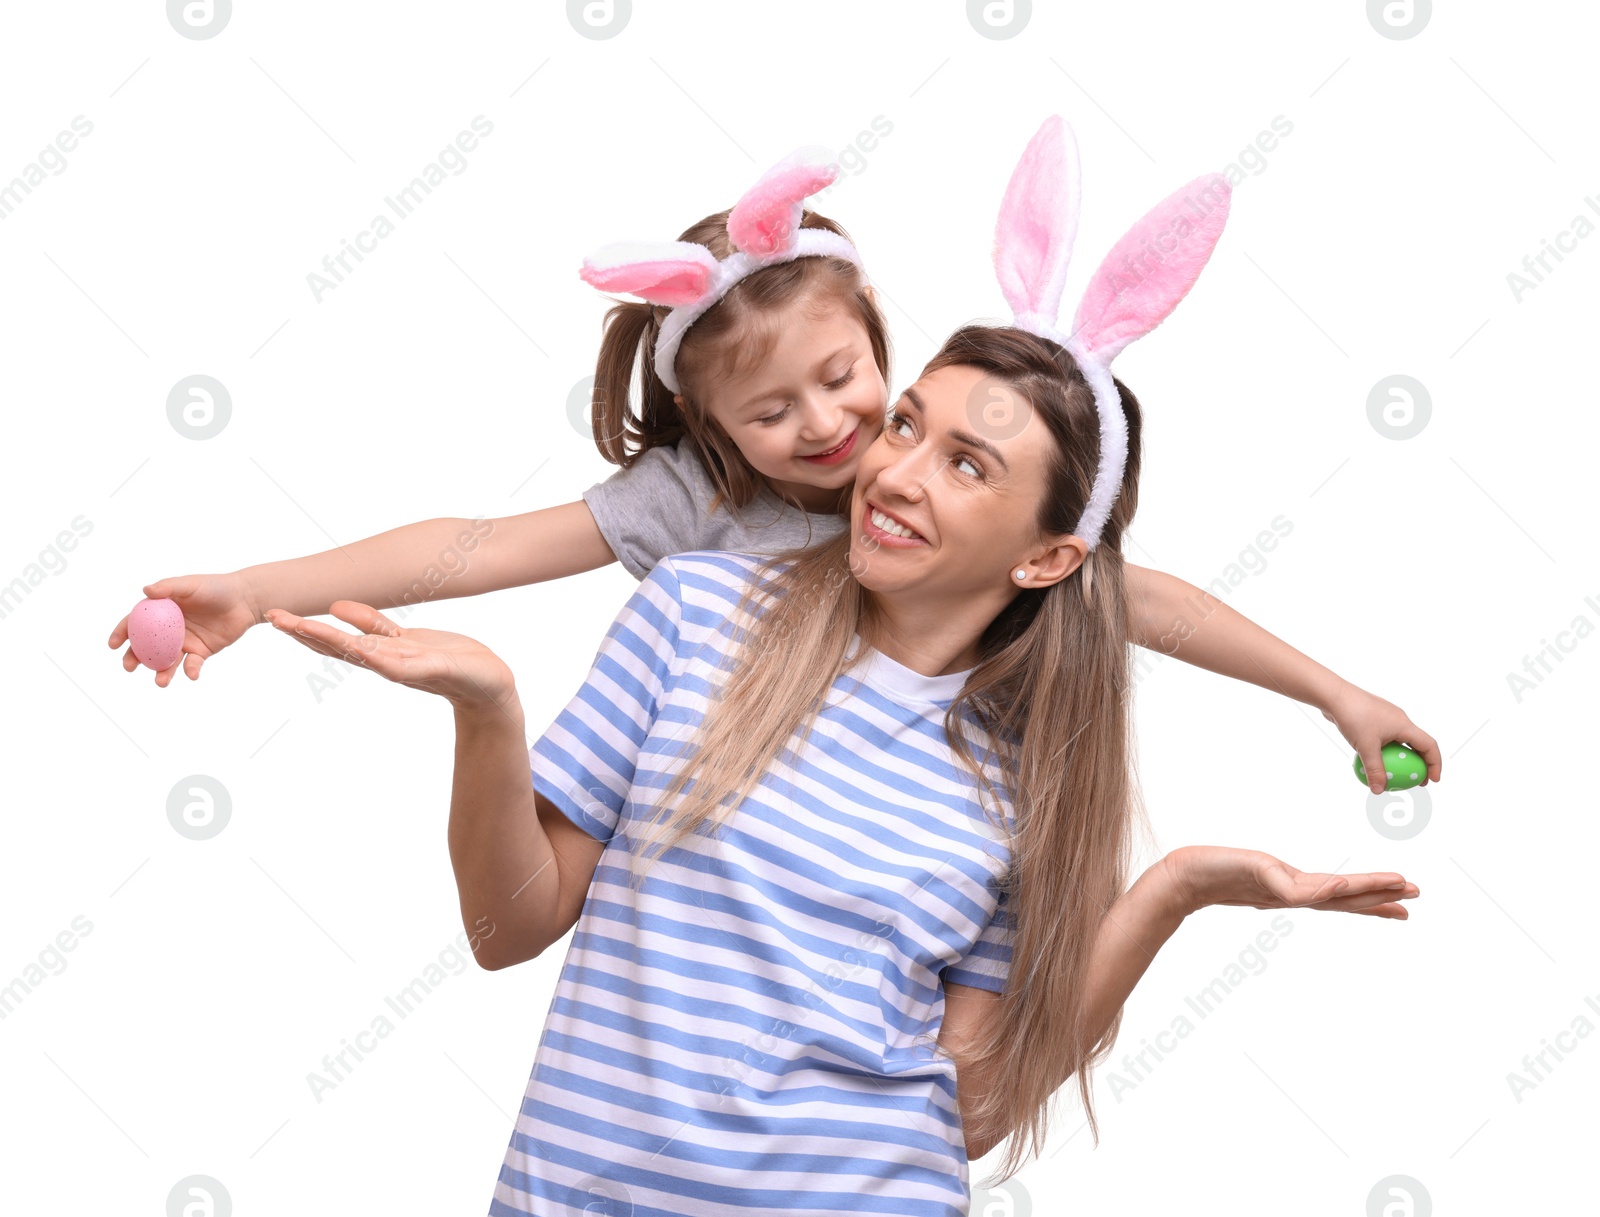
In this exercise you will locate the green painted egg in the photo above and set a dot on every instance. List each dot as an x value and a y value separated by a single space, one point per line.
1405 768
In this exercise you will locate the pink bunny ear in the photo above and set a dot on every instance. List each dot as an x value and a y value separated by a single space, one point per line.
1152 267
1038 223
765 220
670 272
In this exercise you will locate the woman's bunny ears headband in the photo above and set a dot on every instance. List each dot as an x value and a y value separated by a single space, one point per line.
1141 280
764 227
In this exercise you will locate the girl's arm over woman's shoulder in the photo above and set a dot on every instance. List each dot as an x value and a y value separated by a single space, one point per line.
1176 618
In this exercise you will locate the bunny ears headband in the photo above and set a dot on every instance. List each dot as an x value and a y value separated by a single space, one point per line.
764 227
1141 280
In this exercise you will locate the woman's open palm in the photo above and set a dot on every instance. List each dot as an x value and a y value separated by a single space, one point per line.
1216 874
454 666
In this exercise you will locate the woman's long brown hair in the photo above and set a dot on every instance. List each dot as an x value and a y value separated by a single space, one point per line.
1048 705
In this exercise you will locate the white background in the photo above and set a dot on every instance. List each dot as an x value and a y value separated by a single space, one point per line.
434 381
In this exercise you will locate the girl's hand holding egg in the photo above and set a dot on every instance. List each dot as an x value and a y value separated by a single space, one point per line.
1372 727
189 618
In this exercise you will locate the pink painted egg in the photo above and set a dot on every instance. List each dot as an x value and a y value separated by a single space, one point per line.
155 631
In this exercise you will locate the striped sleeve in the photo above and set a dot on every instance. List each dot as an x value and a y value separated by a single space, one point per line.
988 963
584 763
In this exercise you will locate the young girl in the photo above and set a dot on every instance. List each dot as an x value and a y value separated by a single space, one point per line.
775 383
838 828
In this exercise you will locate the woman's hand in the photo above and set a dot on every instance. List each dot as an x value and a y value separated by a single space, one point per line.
456 667
1199 875
216 613
1367 723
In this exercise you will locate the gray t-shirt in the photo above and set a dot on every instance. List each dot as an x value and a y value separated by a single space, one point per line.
659 507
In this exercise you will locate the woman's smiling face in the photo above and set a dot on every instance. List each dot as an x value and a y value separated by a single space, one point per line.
965 482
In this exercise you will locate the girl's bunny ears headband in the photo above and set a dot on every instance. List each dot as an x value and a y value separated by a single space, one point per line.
1141 280
764 227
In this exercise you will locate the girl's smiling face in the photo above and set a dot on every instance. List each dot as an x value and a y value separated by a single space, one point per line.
814 405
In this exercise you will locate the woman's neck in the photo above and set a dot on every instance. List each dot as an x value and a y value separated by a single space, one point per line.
932 638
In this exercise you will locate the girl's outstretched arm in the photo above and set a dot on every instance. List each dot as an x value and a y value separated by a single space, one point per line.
1138 925
435 560
1176 618
430 560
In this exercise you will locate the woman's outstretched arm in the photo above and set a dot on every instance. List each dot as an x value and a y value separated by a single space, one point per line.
1138 925
522 867
519 862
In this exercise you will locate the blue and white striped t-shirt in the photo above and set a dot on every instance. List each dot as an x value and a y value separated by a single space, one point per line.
741 1034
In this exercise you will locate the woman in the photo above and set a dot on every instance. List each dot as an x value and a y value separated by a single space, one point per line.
896 842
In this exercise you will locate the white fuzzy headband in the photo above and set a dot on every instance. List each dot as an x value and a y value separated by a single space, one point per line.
764 227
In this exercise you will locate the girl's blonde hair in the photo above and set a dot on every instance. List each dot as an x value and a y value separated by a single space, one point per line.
732 337
1048 703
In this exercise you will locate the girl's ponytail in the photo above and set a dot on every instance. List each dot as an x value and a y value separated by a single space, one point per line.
626 344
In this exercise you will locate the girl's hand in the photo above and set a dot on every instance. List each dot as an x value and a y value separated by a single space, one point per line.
1367 723
456 667
216 613
1200 875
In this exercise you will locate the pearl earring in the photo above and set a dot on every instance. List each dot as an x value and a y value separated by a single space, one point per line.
1022 574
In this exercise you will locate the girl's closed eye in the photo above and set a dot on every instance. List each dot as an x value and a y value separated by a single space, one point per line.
896 418
850 374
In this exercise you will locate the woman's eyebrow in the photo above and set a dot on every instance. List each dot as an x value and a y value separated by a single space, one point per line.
961 437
